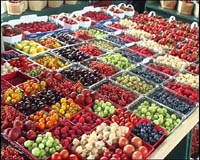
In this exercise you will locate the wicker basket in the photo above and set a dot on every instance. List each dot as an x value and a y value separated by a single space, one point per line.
168 4
70 2
54 4
37 5
16 8
196 10
185 8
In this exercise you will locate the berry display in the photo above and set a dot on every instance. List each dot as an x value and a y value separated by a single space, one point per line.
86 77
97 16
134 83
115 40
142 51
193 69
104 28
66 107
44 146
90 50
102 109
82 34
118 61
9 56
72 54
132 56
143 129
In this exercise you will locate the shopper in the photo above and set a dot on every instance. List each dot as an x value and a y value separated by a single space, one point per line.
139 5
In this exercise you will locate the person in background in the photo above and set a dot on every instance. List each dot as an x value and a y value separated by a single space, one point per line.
100 3
139 5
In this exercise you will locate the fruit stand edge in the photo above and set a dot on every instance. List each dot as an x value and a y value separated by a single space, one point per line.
166 13
174 139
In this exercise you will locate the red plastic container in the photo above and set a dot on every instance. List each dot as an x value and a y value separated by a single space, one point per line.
10 52
16 78
4 85
143 120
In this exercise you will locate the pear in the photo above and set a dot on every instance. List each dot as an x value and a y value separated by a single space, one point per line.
40 49
18 46
26 49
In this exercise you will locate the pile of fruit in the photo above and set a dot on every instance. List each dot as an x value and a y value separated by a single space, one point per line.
51 62
30 47
50 43
111 91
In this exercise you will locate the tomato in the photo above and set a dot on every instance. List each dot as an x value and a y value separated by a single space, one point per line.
137 155
122 142
22 58
56 156
12 62
114 118
73 157
129 149
136 141
143 150
64 154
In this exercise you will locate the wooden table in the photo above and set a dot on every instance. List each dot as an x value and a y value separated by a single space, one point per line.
175 138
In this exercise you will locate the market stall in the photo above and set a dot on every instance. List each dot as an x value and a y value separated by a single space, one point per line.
99 83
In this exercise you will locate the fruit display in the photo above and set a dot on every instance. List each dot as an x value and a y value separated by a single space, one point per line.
9 31
43 146
20 62
13 95
166 98
101 87
65 132
9 153
115 93
127 23
97 16
63 155
35 27
9 117
72 54
124 118
8 56
101 67
160 49
193 69
132 56
66 107
34 71
91 145
104 28
162 68
51 62
66 38
150 75
171 61
82 34
30 47
31 104
78 73
50 43
96 33
128 38
102 109
104 45
86 120
138 34
115 40
6 68
118 61
155 113
4 85
132 148
44 119
134 83
143 127
142 51
90 50
31 87
184 90
117 26
188 79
